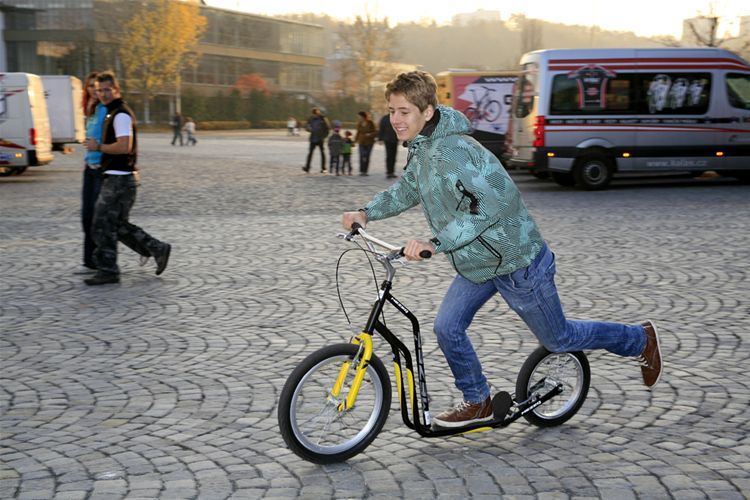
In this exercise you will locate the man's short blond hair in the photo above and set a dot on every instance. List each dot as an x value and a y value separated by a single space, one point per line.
418 87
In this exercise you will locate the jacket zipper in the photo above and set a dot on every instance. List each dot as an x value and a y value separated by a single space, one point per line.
465 193
492 251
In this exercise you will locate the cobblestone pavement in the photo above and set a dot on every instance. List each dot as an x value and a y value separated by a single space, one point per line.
167 386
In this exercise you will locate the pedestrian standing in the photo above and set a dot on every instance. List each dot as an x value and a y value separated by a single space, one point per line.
177 128
318 127
335 146
291 124
94 113
387 136
365 139
119 148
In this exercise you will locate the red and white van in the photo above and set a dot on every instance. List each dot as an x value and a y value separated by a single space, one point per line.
585 115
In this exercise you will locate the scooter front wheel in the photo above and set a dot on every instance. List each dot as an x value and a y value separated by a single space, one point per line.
312 420
541 372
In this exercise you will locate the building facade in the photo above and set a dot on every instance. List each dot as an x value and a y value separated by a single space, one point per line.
74 37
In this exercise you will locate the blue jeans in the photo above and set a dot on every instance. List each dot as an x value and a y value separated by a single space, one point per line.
532 294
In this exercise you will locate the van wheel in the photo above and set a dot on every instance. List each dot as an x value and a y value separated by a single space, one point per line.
741 175
563 179
6 171
19 170
593 172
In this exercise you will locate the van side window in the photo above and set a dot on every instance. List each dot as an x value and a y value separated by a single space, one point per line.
593 91
738 90
671 93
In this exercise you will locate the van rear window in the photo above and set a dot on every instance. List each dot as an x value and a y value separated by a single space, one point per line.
594 90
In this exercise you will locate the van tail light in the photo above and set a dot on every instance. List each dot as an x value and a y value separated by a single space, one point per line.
32 136
539 132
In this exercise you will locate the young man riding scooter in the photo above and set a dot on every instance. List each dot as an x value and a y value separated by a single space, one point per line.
478 219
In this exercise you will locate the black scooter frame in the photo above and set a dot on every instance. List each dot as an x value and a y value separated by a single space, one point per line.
506 409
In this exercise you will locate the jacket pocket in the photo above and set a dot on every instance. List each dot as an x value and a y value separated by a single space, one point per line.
465 193
492 251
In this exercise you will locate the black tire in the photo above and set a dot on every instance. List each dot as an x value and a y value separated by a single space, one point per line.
540 175
19 170
563 179
570 368
593 172
492 111
6 171
741 175
328 435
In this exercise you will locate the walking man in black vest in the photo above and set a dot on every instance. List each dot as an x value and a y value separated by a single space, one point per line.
119 147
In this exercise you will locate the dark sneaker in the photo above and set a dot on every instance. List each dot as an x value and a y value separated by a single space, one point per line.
306 169
162 259
465 413
650 358
102 279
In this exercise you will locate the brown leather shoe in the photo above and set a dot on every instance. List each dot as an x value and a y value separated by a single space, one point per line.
465 413
650 358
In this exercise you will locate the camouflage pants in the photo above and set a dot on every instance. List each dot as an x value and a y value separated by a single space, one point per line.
111 224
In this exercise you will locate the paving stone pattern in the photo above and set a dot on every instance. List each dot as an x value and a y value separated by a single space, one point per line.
166 387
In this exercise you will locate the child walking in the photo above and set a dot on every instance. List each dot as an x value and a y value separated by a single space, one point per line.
190 130
335 146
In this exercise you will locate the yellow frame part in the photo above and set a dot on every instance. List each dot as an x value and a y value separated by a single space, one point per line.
365 340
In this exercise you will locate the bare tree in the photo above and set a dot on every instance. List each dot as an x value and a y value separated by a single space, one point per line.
531 35
368 43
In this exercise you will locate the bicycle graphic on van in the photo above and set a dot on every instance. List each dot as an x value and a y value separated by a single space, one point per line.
484 108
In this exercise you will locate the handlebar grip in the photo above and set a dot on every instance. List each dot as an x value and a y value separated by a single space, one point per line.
356 226
425 254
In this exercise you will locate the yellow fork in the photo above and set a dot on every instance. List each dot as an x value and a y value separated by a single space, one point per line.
364 340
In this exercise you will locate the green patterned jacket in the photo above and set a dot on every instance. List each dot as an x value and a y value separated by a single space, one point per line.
473 208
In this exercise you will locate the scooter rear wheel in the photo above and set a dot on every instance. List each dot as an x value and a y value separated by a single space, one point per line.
571 369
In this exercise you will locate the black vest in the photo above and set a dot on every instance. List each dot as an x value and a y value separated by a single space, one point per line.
125 162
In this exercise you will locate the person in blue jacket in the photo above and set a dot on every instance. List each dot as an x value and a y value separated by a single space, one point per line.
94 112
479 221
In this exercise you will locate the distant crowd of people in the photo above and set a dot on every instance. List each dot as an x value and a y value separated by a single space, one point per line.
340 147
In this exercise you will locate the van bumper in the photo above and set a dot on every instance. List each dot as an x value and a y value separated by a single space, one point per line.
560 161
538 163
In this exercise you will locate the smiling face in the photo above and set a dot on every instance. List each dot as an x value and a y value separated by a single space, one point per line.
406 118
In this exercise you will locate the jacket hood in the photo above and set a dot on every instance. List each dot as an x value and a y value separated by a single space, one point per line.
447 121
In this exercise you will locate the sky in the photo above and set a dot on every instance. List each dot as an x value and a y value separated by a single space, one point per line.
644 17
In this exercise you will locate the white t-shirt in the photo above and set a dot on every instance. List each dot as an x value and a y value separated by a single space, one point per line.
123 128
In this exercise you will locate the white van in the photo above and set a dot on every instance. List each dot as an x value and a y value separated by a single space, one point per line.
64 106
24 126
584 115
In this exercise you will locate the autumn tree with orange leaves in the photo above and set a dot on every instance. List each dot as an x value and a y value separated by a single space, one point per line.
158 43
251 82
